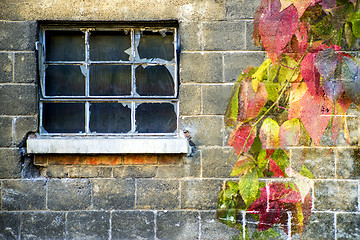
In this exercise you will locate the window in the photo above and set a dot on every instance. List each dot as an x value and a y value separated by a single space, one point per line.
117 80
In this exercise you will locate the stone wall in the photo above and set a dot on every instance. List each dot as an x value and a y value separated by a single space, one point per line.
149 196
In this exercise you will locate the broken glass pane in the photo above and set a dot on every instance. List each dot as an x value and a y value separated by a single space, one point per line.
155 118
110 118
110 80
154 80
64 80
65 46
109 45
64 117
155 45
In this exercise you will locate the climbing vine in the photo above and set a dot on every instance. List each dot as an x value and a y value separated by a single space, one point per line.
305 86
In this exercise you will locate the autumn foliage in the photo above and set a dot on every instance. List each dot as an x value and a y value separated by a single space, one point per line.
303 88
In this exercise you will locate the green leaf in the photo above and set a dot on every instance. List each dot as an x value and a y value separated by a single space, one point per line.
262 160
281 158
249 186
255 147
286 72
289 134
354 18
306 172
264 235
243 164
233 106
349 35
269 134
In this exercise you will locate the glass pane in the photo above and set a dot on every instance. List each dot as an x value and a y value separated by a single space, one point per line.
64 117
110 118
154 80
154 45
155 118
110 80
65 46
109 45
65 80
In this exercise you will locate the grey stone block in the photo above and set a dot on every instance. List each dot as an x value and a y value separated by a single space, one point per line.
18 99
250 43
200 193
212 229
6 67
218 162
69 194
24 125
190 99
18 35
157 194
88 225
170 171
238 9
204 130
201 67
215 98
336 196
9 225
90 172
347 226
132 171
113 193
190 35
348 163
235 63
57 171
133 225
177 225
42 225
10 166
24 195
223 35
192 165
320 227
353 128
25 68
6 131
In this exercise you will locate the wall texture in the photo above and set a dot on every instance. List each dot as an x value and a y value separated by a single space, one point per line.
149 196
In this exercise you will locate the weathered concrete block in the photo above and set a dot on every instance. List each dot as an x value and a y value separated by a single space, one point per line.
223 35
6 131
133 225
238 9
88 225
215 98
157 194
18 99
347 226
218 162
211 228
18 35
24 125
336 196
235 63
25 68
10 166
69 194
348 163
320 227
42 225
90 172
24 195
177 225
201 67
143 171
113 193
190 35
200 193
9 225
6 67
204 130
190 99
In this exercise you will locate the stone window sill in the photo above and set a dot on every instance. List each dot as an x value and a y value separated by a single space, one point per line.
100 145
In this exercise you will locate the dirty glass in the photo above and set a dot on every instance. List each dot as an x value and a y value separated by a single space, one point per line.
110 118
65 46
154 80
65 80
64 117
156 45
110 80
155 118
109 45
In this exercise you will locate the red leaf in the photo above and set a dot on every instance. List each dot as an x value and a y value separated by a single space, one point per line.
328 4
257 15
311 75
302 36
289 134
290 196
238 138
276 28
269 217
275 169
301 5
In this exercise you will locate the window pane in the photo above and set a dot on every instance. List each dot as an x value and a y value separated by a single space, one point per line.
110 118
154 45
154 80
155 118
109 45
63 117
65 46
110 80
65 80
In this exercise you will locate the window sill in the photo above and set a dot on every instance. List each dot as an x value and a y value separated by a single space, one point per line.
100 145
